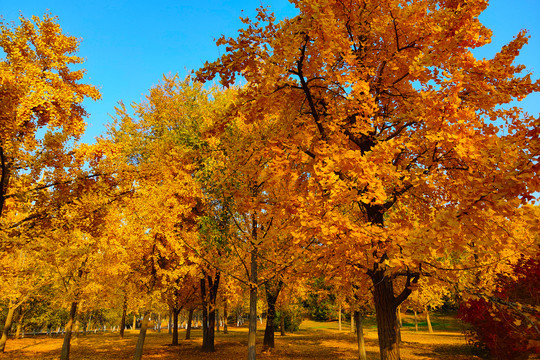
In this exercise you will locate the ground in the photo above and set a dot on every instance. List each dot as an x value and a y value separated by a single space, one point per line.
314 340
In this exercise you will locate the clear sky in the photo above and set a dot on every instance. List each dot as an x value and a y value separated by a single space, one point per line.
129 45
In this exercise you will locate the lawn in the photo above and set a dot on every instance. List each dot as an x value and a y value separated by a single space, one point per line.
314 340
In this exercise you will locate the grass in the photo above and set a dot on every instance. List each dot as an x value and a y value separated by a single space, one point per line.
314 340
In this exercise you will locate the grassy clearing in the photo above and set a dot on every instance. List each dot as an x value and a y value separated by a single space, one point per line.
314 340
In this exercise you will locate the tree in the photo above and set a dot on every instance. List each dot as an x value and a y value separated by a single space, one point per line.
41 114
400 134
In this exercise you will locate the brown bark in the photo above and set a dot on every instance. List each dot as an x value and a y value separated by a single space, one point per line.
225 315
175 312
386 304
428 320
360 336
142 336
7 326
20 318
282 323
387 323
352 322
123 321
253 307
252 334
339 318
66 346
190 320
209 310
272 294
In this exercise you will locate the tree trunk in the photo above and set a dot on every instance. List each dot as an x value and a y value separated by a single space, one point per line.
225 315
428 320
66 346
387 322
190 320
134 321
399 316
20 318
124 313
175 312
252 334
339 318
253 308
360 336
209 311
352 322
272 294
170 322
7 326
142 336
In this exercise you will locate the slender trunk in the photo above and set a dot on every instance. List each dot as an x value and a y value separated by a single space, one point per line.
252 335
400 320
19 323
428 320
175 312
66 346
159 323
385 308
142 336
134 321
415 321
170 322
190 320
225 315
360 336
339 317
123 322
352 322
282 323
204 313
7 326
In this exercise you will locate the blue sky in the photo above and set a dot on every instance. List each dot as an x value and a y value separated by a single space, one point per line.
129 45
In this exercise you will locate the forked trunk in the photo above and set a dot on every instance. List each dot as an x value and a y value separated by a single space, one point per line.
209 310
7 327
66 346
142 336
360 336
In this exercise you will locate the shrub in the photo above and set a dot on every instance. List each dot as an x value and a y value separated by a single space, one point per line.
503 326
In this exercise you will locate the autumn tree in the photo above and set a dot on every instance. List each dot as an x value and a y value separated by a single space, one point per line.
409 150
41 114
